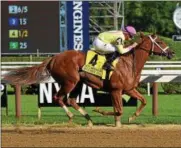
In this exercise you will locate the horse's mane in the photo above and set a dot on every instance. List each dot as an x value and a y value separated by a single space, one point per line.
128 59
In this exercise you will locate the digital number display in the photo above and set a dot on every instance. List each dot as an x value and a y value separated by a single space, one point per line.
30 26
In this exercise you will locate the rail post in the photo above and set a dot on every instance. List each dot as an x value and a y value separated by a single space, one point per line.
18 100
155 99
39 113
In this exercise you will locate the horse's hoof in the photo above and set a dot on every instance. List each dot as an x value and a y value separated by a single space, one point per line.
70 120
118 124
90 124
70 115
130 119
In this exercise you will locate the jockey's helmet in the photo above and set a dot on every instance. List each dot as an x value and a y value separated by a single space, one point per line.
130 30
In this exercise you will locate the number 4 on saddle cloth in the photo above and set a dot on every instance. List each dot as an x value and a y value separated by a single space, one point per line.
94 64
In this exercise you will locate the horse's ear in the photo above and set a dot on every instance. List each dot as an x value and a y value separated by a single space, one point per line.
141 34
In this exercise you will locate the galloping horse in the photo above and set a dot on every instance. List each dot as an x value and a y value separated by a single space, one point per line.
66 69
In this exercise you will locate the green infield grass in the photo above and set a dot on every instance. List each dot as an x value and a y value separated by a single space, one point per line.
169 113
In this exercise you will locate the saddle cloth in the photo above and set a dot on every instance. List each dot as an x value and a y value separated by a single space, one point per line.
94 63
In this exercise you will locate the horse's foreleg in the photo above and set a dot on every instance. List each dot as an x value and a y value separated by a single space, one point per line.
135 94
102 112
72 102
118 106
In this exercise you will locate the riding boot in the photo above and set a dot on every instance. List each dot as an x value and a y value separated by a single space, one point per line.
108 64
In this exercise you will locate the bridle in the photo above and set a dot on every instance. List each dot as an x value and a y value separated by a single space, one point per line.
154 43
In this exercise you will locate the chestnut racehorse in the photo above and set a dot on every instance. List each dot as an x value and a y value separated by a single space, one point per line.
66 69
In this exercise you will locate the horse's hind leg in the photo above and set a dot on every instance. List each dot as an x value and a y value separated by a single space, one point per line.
66 88
135 94
72 101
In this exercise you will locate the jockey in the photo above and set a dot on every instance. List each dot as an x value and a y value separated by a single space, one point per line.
112 42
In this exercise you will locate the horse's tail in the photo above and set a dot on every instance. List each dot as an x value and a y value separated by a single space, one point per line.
29 75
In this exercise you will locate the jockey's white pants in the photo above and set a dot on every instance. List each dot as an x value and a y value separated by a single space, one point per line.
103 48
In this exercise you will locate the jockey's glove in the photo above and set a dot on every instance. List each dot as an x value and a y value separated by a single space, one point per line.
135 44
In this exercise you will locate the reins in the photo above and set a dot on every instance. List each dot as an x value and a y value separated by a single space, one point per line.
153 45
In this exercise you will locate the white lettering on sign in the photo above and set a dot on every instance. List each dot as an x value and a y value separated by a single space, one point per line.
46 92
57 87
84 96
1 87
78 25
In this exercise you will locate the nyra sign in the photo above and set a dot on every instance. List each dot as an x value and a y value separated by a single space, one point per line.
48 90
84 95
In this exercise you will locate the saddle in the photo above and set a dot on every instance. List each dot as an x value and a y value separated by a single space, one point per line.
94 65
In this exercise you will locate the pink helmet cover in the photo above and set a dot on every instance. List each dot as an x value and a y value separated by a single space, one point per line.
131 30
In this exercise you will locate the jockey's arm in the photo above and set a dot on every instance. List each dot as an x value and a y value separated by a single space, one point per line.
123 50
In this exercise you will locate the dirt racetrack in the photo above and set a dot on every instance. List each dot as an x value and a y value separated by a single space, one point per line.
99 136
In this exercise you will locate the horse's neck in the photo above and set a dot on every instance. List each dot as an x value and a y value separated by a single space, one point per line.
140 58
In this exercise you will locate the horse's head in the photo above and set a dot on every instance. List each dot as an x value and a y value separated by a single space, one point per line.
154 45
